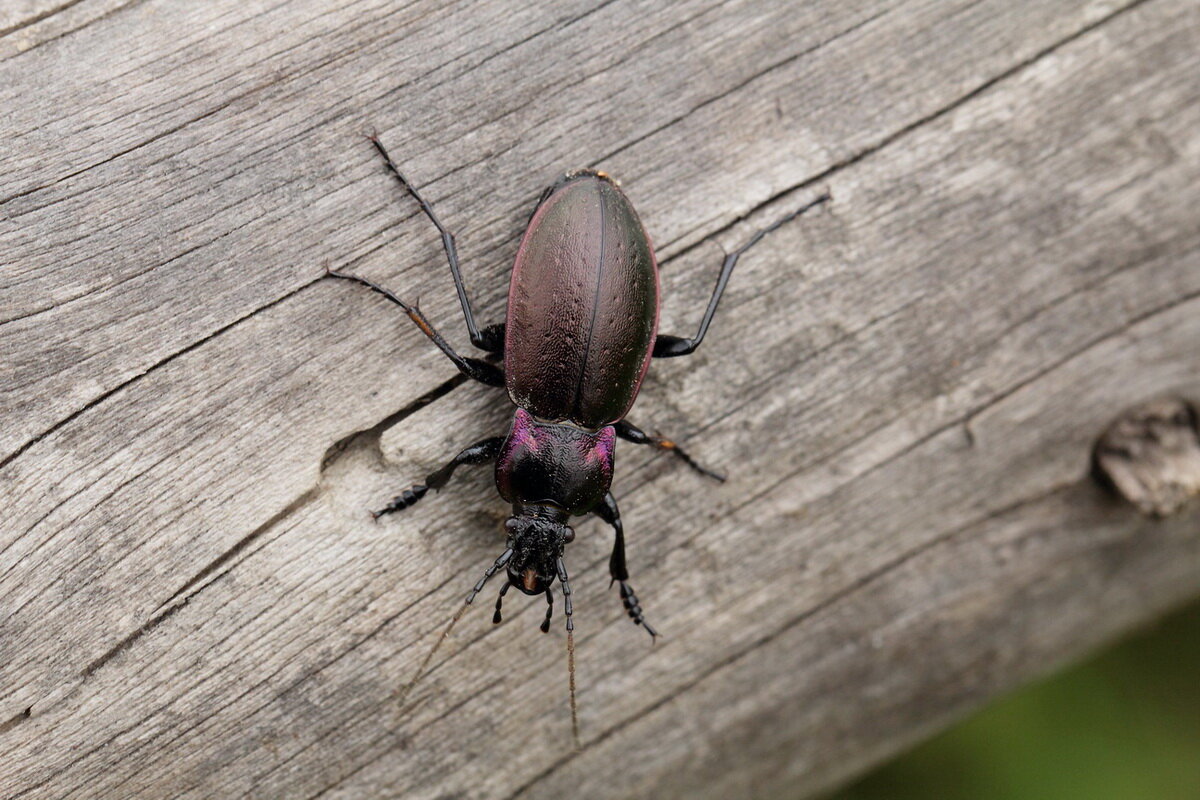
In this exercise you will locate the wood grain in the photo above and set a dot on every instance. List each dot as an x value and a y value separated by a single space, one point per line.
905 387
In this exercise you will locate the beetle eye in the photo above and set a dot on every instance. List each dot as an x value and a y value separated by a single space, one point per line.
569 536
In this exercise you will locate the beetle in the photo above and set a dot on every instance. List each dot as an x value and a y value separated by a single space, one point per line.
580 331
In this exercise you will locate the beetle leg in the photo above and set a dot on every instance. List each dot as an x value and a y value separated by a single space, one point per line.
545 627
500 602
480 339
666 346
477 453
481 371
632 433
493 338
608 511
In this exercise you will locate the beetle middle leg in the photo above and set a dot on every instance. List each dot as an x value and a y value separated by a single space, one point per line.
480 370
490 338
666 346
478 453
608 511
632 433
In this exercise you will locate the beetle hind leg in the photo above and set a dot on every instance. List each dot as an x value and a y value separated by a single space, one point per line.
667 346
480 370
485 339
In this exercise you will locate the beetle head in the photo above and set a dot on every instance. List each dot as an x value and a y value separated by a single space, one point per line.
537 543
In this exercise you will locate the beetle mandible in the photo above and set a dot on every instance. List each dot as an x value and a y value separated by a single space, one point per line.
579 333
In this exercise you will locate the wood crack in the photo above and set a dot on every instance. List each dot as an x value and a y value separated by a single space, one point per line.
804 184
63 34
758 496
225 562
194 583
160 363
15 720
742 85
1084 303
36 18
857 586
98 504
197 583
904 131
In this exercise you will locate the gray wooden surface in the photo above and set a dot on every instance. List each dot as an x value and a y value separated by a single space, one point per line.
904 387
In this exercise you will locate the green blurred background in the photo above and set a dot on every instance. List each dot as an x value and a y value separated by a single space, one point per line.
1125 725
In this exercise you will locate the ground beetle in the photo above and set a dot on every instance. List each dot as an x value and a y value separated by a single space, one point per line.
578 337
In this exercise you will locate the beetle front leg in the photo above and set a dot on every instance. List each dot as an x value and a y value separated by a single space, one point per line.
632 433
482 371
486 339
608 511
666 346
478 453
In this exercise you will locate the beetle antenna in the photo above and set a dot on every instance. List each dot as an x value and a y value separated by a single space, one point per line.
571 674
566 590
492 570
433 650
499 601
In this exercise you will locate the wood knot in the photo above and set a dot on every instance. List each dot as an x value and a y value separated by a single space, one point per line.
1151 455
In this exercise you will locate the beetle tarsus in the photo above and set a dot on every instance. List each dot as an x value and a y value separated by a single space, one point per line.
698 467
608 511
408 497
634 609
632 433
478 453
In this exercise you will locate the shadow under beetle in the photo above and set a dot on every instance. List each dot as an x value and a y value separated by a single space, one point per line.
581 328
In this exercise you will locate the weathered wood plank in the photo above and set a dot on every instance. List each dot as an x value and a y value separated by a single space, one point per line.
904 388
